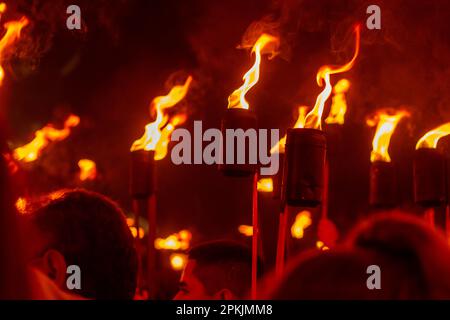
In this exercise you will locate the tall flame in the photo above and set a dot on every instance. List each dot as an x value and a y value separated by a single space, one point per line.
386 124
265 185
162 146
302 221
279 147
88 169
339 103
237 98
314 118
431 138
177 241
154 136
13 30
31 151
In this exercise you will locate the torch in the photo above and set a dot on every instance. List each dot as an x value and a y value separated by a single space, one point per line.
152 146
239 117
305 155
383 184
430 170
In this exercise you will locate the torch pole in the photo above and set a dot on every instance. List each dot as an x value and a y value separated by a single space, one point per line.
281 246
152 284
255 236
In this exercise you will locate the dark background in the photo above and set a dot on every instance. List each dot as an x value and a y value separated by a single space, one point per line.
131 51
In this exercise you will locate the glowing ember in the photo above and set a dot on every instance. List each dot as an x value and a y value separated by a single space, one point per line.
177 241
339 103
302 221
178 261
431 138
31 151
237 98
21 205
321 246
88 169
155 137
265 185
246 230
314 118
386 123
13 30
300 123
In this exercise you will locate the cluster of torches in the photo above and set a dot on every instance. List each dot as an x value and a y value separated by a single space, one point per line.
154 143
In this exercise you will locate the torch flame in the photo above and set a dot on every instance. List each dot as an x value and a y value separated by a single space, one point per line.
162 146
246 230
177 241
88 169
279 147
431 138
154 136
314 118
321 246
339 103
237 98
265 185
386 124
21 205
302 221
31 151
13 30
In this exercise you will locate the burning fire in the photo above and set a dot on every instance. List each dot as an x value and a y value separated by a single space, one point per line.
279 147
302 221
178 261
21 205
31 151
321 246
13 30
246 230
314 118
157 133
431 138
386 123
339 103
265 185
177 241
237 98
134 230
88 169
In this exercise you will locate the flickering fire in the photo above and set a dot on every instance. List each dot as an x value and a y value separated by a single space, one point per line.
386 122
314 118
163 143
237 98
88 169
155 137
265 185
246 230
302 221
178 261
13 30
177 241
31 151
134 230
300 123
431 138
21 205
339 103
321 246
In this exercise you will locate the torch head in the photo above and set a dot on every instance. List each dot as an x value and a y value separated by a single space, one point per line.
142 174
383 185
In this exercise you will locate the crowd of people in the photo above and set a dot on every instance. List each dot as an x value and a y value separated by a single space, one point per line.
86 229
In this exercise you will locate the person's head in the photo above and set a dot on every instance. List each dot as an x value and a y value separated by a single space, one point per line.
411 242
216 270
86 229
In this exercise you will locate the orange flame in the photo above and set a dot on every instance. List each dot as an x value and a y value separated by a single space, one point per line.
88 169
134 230
265 185
162 146
178 261
13 30
177 241
31 151
21 205
321 246
246 230
302 221
300 123
431 138
386 124
153 136
339 103
237 98
314 118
